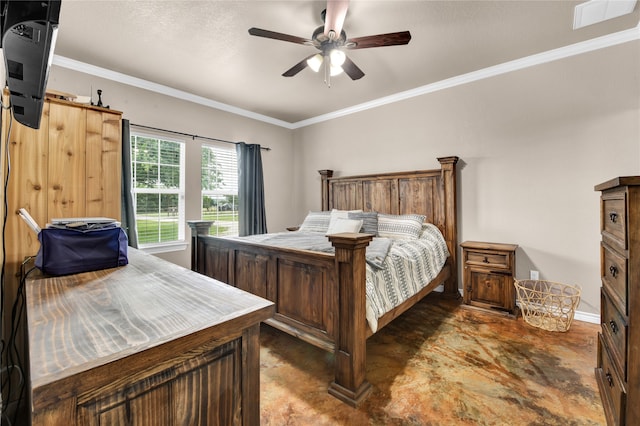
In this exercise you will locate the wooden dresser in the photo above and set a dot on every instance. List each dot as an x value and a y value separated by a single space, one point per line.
150 343
618 369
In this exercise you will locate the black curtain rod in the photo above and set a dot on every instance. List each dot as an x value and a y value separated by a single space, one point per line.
190 135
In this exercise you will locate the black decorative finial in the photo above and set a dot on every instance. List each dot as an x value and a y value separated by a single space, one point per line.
99 104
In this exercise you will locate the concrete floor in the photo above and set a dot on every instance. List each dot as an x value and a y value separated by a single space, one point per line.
441 364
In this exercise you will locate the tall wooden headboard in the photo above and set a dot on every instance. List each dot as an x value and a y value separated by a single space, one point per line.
428 192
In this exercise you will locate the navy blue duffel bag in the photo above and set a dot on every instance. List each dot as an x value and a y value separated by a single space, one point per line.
71 251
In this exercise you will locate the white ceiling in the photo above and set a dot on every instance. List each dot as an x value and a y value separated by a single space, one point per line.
202 48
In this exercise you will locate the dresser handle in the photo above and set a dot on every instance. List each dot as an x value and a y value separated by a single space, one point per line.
614 326
609 379
614 270
485 260
613 217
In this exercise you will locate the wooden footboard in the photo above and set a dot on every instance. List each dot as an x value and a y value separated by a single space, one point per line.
321 298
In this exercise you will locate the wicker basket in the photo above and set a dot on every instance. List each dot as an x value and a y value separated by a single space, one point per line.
546 304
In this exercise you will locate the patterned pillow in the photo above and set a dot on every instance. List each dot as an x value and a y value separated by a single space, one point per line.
316 222
369 221
404 227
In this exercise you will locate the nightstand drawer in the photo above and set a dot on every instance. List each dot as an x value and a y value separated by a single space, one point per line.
614 219
614 277
491 260
611 388
615 330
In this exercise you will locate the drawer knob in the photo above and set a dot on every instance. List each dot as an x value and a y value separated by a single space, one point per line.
613 217
609 379
614 326
486 259
613 270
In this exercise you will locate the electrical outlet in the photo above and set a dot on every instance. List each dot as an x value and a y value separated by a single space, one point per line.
534 275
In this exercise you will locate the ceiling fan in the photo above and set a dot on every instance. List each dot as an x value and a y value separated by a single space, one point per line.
331 40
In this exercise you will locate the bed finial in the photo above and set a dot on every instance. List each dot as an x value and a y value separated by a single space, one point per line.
325 175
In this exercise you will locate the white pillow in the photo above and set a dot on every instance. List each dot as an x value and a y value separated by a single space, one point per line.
344 225
340 214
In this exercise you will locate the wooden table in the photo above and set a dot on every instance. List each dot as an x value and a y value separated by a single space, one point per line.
150 343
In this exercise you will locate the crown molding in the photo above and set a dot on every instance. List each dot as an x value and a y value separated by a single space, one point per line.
506 67
83 67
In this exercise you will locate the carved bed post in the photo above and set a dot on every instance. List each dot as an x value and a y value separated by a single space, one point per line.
198 227
350 384
448 165
325 175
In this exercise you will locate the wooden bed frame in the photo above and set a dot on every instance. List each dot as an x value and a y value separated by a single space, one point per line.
320 297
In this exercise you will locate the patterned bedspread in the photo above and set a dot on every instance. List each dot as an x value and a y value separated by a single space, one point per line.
396 269
407 269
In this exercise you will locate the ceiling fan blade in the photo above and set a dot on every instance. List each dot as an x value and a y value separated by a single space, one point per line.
278 36
352 69
334 18
380 40
297 67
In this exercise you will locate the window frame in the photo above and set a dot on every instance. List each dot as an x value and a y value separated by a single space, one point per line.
217 192
181 242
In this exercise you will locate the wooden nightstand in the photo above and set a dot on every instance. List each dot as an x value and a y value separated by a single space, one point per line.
489 271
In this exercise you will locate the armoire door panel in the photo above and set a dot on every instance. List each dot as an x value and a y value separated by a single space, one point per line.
67 166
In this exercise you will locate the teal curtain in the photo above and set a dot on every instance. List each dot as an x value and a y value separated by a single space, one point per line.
128 218
251 215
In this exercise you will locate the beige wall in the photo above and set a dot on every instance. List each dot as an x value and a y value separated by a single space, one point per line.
532 143
151 109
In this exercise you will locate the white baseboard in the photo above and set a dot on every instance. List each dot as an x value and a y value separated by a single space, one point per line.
578 316
587 317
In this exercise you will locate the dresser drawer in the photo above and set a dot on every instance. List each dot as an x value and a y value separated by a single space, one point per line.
491 260
614 276
614 219
616 332
611 388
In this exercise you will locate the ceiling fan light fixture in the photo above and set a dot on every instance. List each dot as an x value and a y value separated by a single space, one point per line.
315 62
337 57
335 70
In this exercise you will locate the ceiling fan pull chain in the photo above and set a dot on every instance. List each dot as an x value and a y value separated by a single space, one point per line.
327 73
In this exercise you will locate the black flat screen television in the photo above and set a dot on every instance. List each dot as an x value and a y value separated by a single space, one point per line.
29 30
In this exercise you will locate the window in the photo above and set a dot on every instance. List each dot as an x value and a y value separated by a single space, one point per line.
220 189
158 189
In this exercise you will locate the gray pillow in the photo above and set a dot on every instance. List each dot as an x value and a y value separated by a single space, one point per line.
369 222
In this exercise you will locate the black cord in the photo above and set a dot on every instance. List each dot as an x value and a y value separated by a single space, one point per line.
5 346
17 314
6 174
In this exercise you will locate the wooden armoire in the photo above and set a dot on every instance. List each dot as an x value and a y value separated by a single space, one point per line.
69 167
